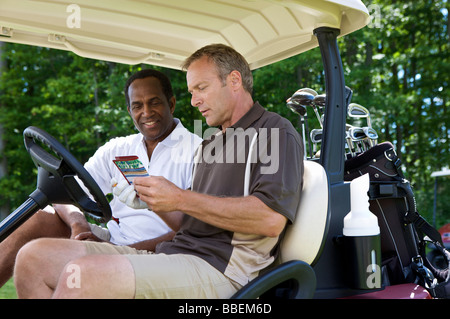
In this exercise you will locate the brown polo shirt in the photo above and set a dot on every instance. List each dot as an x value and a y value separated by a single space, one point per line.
275 178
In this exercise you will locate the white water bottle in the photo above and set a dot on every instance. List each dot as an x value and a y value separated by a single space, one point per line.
362 238
360 221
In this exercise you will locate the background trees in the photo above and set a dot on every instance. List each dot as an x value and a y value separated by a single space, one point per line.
398 67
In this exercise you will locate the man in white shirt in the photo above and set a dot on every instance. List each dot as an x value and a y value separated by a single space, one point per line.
165 148
131 226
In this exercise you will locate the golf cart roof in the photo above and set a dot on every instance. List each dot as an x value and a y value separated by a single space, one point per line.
165 32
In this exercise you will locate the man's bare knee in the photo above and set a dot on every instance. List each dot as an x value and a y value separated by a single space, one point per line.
32 254
29 250
27 263
93 276
40 263
52 250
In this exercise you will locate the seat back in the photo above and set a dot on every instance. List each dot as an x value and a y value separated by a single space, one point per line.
304 237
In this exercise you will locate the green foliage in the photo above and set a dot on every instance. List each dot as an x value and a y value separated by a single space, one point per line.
400 72
8 291
275 83
398 67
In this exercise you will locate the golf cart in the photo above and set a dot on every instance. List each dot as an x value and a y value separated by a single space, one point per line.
164 33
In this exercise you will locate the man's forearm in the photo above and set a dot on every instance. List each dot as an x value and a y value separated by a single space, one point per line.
242 214
151 244
73 218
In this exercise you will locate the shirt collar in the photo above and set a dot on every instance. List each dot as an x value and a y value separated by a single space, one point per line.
170 141
250 117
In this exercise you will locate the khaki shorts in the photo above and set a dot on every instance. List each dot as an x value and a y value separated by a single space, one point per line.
178 276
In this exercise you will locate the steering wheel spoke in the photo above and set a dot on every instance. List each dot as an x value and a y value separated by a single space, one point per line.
57 182
57 175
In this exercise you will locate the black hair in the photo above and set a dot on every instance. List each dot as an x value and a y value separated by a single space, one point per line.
146 73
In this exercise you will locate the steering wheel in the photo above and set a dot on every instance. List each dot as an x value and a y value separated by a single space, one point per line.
56 183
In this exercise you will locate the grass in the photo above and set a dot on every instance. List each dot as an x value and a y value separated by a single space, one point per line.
8 291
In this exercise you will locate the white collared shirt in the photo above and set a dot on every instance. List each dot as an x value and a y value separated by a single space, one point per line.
172 158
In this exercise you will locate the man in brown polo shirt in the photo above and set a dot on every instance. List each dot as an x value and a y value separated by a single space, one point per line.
230 227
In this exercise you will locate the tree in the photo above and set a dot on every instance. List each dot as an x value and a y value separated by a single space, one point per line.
400 71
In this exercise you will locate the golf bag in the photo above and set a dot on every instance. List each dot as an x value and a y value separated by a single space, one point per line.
402 229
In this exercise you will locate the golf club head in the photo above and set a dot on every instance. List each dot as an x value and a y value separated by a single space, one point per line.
359 138
320 100
356 133
295 107
358 111
316 136
299 101
308 90
303 98
350 145
372 135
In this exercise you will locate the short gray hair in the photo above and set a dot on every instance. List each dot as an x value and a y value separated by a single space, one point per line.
226 60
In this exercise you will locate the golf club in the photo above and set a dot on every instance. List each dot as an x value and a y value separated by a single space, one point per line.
372 135
297 103
359 111
319 102
358 136
316 138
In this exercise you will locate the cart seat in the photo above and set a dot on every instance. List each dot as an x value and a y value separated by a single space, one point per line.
302 242
304 237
